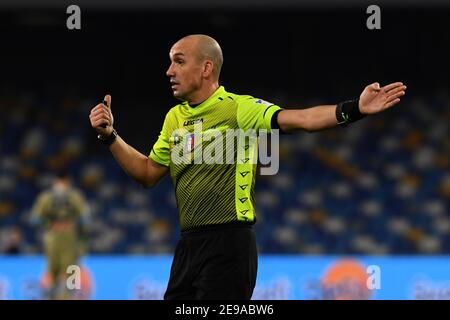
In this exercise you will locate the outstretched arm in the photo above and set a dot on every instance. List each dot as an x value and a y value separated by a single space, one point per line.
141 168
372 100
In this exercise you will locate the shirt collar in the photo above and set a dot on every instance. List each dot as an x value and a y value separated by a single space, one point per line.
212 98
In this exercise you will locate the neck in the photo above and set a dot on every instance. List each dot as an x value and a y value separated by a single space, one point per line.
204 94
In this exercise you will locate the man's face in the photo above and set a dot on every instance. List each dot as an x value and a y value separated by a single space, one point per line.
185 70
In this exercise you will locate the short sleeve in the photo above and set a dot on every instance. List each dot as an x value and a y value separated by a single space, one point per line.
160 152
255 114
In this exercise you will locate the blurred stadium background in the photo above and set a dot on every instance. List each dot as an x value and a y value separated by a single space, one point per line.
375 193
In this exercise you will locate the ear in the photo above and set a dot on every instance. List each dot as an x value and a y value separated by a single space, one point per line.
208 68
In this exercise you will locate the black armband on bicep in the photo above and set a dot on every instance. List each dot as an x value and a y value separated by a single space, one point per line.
274 122
347 112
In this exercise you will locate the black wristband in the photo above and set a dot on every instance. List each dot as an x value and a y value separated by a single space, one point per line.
347 112
108 140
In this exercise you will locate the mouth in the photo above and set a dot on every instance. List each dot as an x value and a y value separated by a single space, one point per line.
173 84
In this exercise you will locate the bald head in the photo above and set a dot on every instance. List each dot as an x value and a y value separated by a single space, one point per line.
206 48
195 63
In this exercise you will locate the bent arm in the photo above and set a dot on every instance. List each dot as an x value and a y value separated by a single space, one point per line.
141 168
144 170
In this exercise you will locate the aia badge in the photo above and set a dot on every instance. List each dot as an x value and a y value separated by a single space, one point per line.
190 142
176 139
264 102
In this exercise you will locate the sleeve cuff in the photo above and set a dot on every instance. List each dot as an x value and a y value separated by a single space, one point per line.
158 160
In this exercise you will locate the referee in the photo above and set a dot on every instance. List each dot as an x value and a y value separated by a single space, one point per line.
216 256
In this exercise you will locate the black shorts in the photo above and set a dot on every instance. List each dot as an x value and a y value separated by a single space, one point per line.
217 262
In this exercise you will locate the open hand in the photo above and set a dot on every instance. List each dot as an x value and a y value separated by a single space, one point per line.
375 99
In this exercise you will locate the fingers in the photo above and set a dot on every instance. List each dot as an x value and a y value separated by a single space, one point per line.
396 90
100 108
392 103
100 116
375 86
393 96
396 93
391 86
100 120
377 99
107 101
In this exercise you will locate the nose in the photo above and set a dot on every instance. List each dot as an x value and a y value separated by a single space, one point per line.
169 71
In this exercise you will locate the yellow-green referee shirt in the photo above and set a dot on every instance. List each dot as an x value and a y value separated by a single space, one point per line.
213 193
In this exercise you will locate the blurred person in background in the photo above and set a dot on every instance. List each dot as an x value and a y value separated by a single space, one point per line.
62 211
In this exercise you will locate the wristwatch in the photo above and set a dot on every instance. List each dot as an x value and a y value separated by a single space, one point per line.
108 140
